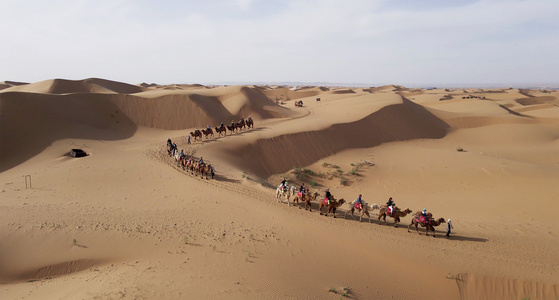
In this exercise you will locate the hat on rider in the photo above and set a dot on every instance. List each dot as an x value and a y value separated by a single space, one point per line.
424 209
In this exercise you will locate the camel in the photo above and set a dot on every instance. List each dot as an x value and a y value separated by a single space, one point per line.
205 170
191 165
396 214
184 162
170 148
307 198
290 191
332 206
429 225
178 157
197 134
364 210
232 128
240 125
220 130
249 123
208 132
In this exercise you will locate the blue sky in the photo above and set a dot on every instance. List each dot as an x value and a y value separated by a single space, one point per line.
374 42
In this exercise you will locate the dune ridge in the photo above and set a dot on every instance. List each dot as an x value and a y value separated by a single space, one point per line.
413 122
65 86
93 115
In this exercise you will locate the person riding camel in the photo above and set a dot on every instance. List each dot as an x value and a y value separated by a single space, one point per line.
327 196
208 127
390 206
424 216
221 126
302 190
249 119
169 143
283 185
201 162
359 202
181 155
242 120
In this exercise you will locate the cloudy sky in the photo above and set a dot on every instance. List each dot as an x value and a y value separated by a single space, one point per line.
373 42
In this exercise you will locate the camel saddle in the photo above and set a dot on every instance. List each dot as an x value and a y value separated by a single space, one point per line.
423 220
358 206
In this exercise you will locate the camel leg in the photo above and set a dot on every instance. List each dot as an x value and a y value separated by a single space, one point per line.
320 208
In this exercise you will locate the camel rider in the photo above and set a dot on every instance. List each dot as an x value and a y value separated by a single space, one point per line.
424 215
390 204
201 161
233 125
181 155
284 185
302 190
328 196
242 120
249 119
169 143
221 126
359 202
207 127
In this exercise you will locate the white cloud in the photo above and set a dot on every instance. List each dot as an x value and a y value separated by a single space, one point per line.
249 40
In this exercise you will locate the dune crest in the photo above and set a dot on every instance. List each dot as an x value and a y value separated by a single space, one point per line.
398 122
64 86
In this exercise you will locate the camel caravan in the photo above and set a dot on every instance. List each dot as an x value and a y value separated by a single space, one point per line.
329 204
190 163
222 129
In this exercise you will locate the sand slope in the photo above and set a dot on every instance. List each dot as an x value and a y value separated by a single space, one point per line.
126 222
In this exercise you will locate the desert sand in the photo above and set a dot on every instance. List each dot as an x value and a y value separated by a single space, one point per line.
127 222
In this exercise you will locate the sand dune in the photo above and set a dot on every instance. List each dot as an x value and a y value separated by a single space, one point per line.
380 127
92 115
63 86
127 222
